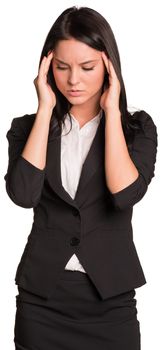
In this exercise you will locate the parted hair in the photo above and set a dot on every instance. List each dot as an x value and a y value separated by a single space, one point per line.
90 27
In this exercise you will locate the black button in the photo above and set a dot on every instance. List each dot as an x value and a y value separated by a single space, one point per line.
74 241
75 212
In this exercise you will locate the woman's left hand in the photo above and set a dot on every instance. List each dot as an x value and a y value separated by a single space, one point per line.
110 97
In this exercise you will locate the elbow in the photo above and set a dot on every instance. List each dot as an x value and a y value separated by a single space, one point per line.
130 195
21 198
24 183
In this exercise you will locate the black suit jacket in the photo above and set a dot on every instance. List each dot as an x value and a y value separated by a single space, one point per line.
95 225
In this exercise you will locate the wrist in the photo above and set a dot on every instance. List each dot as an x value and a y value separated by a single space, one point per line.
113 111
44 110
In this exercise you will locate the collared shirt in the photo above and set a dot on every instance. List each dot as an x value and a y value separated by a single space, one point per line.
74 149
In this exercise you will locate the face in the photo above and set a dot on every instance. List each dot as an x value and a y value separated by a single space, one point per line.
72 71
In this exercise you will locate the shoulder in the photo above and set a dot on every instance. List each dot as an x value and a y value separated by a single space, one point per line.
148 127
23 124
144 118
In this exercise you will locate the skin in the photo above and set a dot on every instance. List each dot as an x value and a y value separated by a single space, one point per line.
74 75
110 98
120 170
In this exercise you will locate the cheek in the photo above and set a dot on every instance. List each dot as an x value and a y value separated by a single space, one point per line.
97 80
59 78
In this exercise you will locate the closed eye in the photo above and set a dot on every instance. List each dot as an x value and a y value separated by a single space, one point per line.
62 68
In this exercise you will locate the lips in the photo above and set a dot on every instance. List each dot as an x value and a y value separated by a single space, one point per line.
75 92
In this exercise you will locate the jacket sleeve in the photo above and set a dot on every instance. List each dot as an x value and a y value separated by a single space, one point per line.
24 181
143 154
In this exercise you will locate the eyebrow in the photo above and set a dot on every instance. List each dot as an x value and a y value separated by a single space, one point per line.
79 63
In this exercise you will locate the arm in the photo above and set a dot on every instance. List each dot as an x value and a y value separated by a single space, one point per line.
27 156
36 146
26 168
120 169
128 173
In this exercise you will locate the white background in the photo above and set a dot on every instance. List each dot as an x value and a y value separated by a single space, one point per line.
137 27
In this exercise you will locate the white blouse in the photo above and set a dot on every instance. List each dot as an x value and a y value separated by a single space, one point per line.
74 149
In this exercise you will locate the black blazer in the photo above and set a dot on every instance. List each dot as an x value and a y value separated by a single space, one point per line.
95 225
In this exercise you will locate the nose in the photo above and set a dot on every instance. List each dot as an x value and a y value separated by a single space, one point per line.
73 78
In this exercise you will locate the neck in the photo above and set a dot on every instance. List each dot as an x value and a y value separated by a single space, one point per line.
84 114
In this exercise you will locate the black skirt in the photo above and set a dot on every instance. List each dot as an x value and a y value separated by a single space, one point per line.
76 318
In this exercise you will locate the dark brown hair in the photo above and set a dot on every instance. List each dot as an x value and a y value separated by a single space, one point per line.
90 27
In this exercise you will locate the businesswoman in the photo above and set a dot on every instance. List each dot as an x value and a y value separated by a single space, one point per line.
82 161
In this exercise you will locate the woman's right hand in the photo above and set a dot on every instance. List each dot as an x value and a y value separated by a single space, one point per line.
46 96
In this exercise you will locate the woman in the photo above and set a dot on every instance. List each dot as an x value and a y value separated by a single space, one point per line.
81 162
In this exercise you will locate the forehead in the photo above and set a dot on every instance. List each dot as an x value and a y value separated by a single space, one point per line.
72 49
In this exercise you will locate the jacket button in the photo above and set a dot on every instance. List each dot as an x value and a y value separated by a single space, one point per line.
75 212
74 241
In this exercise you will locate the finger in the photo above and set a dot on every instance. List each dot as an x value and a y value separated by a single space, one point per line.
114 76
41 68
44 65
112 68
106 61
47 62
50 54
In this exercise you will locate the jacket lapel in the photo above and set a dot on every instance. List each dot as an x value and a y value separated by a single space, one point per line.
94 159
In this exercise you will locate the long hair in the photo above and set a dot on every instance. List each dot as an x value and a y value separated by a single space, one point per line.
90 27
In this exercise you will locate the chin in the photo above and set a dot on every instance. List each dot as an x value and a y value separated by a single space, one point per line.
76 100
